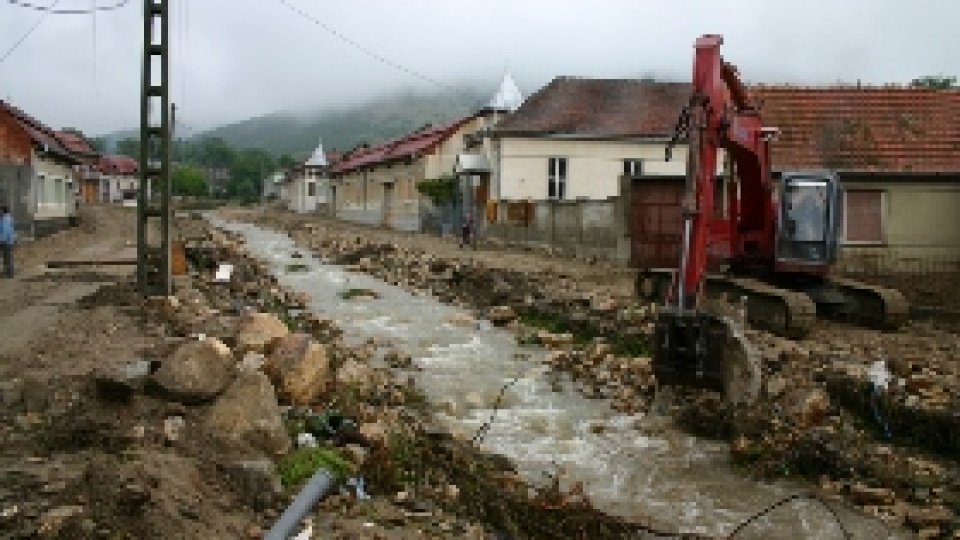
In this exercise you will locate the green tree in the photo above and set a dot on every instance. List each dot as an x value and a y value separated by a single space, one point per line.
935 81
287 161
128 147
189 180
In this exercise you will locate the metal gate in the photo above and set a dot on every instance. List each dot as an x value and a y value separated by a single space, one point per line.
655 223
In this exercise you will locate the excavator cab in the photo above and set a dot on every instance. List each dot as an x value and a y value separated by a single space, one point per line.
807 221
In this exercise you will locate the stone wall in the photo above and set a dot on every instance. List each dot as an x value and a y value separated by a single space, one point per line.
582 228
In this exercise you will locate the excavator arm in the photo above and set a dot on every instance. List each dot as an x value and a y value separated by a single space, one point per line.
694 347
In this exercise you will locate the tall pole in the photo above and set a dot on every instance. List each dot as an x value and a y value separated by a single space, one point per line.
153 261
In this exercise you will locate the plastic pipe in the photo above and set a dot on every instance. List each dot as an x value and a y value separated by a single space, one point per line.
319 485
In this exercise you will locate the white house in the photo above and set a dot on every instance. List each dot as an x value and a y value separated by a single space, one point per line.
36 173
575 137
272 186
119 179
309 183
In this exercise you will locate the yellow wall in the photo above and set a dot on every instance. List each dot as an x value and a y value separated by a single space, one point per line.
921 225
593 167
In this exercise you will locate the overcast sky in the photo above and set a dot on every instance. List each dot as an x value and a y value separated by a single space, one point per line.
233 59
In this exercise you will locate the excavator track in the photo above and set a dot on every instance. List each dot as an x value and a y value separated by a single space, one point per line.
875 307
788 313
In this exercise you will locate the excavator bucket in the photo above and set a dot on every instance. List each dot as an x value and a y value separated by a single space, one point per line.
704 350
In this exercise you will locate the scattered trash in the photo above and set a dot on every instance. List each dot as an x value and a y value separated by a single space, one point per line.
224 271
306 440
172 428
9 512
357 483
879 375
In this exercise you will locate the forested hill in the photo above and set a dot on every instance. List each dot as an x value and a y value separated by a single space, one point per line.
297 134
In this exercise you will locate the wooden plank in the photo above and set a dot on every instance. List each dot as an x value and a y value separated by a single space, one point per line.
105 262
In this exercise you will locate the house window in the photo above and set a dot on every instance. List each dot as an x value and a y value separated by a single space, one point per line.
863 216
311 189
632 168
556 178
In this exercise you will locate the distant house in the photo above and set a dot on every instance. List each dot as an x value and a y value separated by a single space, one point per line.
217 179
86 174
119 179
309 183
379 184
475 165
271 186
36 173
897 153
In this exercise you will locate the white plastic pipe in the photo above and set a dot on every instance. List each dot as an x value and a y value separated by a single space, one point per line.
320 483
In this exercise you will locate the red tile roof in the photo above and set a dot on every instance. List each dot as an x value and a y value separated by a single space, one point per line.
42 136
411 145
599 108
110 164
894 129
75 142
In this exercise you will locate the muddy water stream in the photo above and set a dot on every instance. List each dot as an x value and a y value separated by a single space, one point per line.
630 465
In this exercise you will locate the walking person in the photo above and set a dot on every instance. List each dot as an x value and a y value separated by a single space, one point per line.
7 238
466 232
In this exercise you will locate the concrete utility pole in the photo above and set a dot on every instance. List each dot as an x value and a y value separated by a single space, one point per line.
153 261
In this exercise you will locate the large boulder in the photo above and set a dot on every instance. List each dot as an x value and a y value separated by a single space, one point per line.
299 368
258 331
198 371
248 412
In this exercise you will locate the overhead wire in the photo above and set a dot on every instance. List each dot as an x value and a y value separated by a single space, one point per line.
51 9
28 32
353 43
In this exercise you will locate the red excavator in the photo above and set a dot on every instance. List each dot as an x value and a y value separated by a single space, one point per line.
771 247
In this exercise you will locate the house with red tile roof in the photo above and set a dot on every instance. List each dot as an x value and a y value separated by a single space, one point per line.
895 149
379 184
119 179
897 152
575 137
86 176
36 173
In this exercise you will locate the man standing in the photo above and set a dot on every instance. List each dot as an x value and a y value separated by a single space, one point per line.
7 237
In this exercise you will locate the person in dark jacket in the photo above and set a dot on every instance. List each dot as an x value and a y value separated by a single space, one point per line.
466 232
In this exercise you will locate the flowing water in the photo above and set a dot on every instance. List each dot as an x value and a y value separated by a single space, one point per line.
630 465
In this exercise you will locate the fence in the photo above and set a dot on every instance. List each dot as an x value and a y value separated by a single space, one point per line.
580 228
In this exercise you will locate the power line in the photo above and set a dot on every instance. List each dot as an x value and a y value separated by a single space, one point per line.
30 31
386 61
51 8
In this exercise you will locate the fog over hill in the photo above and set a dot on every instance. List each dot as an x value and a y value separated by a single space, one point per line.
297 133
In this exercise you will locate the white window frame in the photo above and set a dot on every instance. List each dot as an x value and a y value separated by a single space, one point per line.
884 210
560 183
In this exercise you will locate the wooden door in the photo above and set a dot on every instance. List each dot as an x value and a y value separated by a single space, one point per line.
656 224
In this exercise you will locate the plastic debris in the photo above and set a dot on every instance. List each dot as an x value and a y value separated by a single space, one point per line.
357 483
224 271
879 375
306 440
